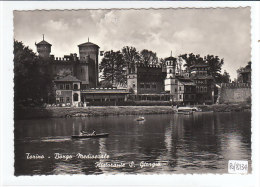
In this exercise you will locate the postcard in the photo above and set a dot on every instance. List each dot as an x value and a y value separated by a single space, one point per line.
154 91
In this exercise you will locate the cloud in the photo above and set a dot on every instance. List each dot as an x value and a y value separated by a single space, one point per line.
56 25
222 32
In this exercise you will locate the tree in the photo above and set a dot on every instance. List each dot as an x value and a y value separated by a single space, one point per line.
130 55
224 78
214 62
112 67
63 73
31 78
190 59
215 65
148 57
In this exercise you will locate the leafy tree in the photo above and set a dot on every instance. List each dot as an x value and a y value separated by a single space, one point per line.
215 65
214 62
224 78
130 55
148 57
113 67
190 59
63 73
105 84
31 78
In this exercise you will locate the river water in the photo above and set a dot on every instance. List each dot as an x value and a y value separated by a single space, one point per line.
198 143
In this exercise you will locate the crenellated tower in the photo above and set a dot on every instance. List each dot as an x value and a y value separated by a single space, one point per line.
43 48
88 53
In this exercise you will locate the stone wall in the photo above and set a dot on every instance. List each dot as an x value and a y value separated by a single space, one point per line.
234 92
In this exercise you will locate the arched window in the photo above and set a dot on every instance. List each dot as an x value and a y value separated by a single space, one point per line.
170 71
75 97
75 87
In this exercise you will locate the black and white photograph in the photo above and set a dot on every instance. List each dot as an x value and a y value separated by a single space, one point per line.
132 91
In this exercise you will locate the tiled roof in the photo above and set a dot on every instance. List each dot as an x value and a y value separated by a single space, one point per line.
186 81
202 77
68 78
43 42
88 44
170 58
200 65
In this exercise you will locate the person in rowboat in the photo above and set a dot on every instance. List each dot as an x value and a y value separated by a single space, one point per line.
83 132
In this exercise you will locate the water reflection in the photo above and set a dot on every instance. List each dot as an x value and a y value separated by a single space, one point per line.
199 143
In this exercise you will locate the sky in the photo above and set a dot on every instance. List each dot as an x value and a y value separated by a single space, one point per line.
223 32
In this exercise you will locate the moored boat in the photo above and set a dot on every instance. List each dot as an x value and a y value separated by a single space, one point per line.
101 135
187 110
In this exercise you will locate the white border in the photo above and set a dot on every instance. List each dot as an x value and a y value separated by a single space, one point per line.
6 73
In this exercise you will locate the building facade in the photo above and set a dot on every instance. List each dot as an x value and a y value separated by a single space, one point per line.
84 67
143 79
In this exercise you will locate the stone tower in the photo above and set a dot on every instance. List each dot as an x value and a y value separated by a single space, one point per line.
170 82
43 48
88 53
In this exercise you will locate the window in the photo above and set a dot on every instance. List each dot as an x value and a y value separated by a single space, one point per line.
81 70
175 90
76 97
61 99
154 86
180 88
67 86
141 85
75 87
67 99
176 81
180 96
61 86
147 86
170 71
133 85
201 89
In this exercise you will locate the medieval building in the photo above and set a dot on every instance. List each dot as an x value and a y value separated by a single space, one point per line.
76 79
195 86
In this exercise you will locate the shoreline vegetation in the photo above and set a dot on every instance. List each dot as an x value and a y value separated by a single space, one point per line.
92 111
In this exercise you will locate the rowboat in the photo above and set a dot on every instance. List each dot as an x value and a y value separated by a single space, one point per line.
101 135
140 119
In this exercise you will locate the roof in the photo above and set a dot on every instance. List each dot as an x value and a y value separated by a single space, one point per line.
186 81
202 77
68 78
105 91
200 65
43 42
170 58
88 44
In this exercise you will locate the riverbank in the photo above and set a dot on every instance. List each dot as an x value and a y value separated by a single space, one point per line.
59 112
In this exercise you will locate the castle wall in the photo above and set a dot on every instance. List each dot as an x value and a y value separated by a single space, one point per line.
234 92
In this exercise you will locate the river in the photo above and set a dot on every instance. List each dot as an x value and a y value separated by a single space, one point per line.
200 143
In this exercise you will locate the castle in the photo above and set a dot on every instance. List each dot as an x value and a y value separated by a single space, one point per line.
76 79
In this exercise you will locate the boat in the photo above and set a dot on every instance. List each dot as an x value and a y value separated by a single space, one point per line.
101 135
140 119
187 110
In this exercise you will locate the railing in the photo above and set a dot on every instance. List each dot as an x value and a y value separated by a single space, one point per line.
235 85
